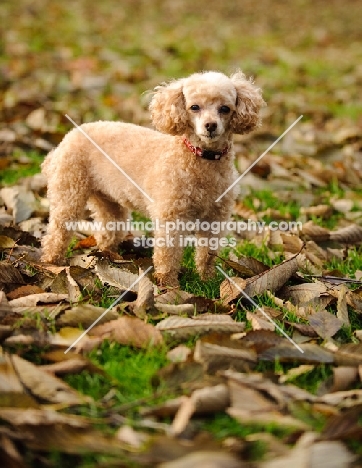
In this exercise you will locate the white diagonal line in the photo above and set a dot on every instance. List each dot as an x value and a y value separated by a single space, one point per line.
259 158
107 310
109 158
259 309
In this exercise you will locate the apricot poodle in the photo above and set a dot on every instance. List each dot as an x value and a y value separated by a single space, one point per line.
174 173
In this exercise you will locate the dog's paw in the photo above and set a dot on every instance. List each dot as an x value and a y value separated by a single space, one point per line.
166 279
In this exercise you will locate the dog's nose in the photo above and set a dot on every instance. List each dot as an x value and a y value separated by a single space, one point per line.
211 126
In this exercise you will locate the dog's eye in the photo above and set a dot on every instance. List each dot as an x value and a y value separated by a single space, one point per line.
195 107
224 110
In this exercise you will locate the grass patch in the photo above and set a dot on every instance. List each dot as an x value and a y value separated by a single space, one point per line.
131 371
17 170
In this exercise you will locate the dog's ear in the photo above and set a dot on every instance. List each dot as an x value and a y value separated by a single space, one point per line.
248 103
167 108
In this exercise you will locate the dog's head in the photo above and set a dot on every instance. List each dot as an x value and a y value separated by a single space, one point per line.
209 106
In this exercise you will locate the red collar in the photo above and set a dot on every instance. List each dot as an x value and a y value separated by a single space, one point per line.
205 154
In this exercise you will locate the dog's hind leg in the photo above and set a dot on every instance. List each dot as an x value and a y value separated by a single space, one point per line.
68 192
110 218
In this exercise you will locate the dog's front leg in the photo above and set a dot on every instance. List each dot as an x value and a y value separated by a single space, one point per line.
207 247
167 256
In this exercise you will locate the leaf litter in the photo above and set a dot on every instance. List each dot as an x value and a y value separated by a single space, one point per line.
222 371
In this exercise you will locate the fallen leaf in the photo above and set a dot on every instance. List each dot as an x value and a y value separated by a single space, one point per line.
44 386
325 324
6 242
312 354
215 357
9 274
23 291
52 431
180 309
86 243
211 458
183 328
121 279
342 309
202 401
33 299
348 235
270 280
5 308
85 315
129 331
145 298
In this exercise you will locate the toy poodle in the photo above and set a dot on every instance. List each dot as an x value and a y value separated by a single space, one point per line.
172 174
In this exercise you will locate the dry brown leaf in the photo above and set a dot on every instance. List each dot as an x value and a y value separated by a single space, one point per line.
24 291
316 455
33 299
145 299
321 211
9 274
44 386
349 354
85 315
260 340
83 276
215 357
121 279
348 235
245 266
291 242
20 201
5 308
135 439
273 279
6 242
342 399
86 243
265 418
274 393
5 332
259 322
202 401
344 425
180 309
325 324
164 410
52 431
343 205
179 354
342 309
129 331
173 296
206 458
354 299
314 232
343 378
288 353
183 328
246 398
303 293
229 292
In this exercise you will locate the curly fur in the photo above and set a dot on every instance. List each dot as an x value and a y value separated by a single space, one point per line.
183 186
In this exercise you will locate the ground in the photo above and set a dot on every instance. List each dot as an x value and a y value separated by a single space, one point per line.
240 390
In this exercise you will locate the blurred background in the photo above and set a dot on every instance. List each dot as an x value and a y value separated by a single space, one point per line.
95 60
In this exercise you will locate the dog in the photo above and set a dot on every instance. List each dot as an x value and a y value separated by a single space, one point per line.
175 172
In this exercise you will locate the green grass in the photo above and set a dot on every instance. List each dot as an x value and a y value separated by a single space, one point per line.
11 174
131 371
